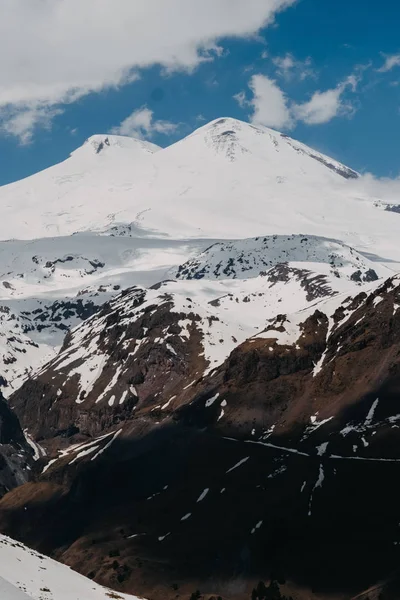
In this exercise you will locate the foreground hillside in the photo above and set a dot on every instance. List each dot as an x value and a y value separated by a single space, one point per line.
278 463
27 575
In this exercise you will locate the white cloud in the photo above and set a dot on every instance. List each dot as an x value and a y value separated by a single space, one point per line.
391 61
289 67
269 103
54 52
322 107
141 124
325 106
272 108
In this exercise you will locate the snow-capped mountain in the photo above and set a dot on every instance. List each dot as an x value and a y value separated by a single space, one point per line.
201 345
121 212
227 180
77 193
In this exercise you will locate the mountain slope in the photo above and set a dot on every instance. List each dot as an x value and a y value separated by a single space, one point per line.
160 340
249 258
52 284
76 193
10 592
27 575
49 285
274 452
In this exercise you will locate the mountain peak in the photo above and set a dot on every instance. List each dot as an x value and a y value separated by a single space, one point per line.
101 144
224 124
230 124
234 139
228 137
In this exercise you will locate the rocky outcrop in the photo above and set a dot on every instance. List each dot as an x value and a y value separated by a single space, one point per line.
241 259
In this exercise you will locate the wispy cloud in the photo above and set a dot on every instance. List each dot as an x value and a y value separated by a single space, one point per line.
21 122
391 61
289 67
241 99
141 124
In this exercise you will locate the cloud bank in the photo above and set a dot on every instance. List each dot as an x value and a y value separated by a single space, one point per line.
56 51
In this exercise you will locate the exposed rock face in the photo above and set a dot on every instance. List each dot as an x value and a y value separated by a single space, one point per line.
120 362
15 454
280 463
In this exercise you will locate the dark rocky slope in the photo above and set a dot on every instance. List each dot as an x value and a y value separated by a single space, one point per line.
282 463
15 453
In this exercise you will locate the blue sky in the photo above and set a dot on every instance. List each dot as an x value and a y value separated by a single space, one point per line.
342 55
